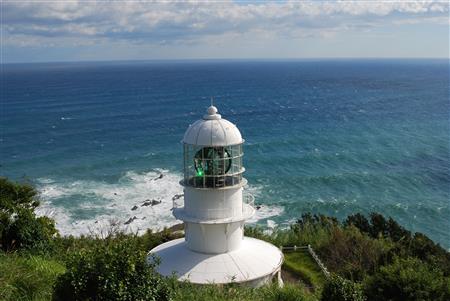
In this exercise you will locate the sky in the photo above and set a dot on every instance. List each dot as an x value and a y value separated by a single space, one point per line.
44 31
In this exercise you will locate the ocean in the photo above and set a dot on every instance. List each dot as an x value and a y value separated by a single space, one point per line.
323 136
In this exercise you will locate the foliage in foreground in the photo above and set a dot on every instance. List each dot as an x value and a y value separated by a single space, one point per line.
408 279
404 243
20 229
112 270
364 248
340 289
235 292
371 256
27 277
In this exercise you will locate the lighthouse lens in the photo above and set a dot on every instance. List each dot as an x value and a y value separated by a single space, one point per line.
200 172
212 161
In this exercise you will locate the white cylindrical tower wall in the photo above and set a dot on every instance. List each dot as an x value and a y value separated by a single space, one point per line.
214 238
213 203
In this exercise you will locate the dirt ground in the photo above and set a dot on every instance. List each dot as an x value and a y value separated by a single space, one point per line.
291 277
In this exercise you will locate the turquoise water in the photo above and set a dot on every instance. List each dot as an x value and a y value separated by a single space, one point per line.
334 137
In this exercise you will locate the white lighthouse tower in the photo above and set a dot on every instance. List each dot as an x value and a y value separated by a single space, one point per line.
214 249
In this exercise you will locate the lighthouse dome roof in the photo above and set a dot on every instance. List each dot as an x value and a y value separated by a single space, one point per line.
212 130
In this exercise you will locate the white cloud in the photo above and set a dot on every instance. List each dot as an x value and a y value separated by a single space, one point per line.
182 22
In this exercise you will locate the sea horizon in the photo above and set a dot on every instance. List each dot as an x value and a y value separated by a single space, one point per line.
228 59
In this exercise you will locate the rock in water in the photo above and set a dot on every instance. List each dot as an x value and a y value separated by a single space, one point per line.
152 202
155 202
147 202
134 207
130 220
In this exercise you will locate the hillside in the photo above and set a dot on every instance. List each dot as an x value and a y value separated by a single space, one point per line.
370 258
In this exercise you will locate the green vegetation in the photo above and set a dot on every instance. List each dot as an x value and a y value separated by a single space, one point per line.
371 258
408 279
187 291
114 269
27 277
302 264
340 289
19 226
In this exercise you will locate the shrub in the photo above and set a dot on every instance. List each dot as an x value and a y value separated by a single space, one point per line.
353 254
26 232
309 229
19 226
152 239
70 244
115 269
425 249
340 289
408 279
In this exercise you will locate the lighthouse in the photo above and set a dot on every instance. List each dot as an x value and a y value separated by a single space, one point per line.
215 208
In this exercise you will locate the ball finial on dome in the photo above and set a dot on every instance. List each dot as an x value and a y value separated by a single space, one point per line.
211 114
212 110
212 130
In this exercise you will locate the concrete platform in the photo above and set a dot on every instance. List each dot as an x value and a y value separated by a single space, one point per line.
255 263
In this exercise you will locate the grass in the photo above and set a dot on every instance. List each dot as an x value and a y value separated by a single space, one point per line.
302 264
27 277
233 292
30 277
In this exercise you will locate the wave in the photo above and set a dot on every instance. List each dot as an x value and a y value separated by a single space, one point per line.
135 203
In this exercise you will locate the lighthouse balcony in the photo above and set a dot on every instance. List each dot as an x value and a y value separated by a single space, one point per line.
216 215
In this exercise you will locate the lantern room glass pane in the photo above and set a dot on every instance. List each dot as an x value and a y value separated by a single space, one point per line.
212 161
212 166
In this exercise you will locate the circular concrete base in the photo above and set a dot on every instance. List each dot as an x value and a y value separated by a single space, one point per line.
254 263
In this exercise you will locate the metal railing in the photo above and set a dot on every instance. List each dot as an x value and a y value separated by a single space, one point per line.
248 199
318 261
313 254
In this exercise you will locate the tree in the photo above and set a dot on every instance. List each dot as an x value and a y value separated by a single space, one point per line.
15 196
353 254
19 226
359 221
378 226
407 279
397 232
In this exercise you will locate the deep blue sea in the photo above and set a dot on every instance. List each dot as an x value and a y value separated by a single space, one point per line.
323 136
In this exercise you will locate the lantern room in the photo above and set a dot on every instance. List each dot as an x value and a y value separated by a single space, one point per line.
212 153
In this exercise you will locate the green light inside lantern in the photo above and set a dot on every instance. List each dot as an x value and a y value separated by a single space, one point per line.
200 172
212 161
